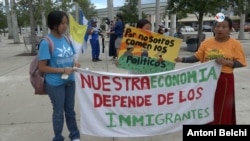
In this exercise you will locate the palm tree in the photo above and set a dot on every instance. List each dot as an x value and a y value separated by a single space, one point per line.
32 28
14 22
242 5
7 7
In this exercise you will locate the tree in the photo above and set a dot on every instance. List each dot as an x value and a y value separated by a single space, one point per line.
22 14
32 23
241 9
28 16
197 7
44 29
7 9
88 8
14 22
3 21
130 12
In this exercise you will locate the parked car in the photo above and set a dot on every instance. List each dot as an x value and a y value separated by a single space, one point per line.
187 29
196 28
207 28
247 27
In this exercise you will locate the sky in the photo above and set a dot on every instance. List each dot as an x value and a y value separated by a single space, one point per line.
103 3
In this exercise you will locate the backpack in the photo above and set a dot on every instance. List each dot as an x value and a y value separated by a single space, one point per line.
37 77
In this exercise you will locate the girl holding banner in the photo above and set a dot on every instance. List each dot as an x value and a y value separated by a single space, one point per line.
229 53
57 65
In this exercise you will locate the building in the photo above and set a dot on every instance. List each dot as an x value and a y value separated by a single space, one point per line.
191 20
150 10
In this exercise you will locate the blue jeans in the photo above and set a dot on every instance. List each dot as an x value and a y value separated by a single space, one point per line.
63 100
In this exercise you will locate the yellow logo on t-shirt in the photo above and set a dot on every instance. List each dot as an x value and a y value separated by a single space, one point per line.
214 54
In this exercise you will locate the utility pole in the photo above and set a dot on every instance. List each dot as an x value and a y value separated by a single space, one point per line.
173 24
110 9
241 35
10 30
139 9
76 11
44 27
32 28
167 20
157 14
14 22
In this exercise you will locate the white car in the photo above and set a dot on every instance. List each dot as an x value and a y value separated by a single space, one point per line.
187 29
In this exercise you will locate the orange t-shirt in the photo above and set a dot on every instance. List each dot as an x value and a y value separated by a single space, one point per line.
211 49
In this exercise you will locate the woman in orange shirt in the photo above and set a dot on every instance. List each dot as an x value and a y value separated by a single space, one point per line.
229 53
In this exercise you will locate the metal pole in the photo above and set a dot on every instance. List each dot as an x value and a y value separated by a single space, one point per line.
110 9
173 24
241 35
44 27
76 11
166 21
157 14
139 9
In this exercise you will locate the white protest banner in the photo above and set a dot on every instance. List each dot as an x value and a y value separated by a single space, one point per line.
124 105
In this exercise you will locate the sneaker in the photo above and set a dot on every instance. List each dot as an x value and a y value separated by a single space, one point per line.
76 140
98 59
94 60
113 59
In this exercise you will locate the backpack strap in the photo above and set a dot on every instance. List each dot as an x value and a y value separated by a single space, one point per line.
51 44
68 40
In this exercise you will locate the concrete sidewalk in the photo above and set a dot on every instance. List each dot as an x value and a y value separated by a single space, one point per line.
27 117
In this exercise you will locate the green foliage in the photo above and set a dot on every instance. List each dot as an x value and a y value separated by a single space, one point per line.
181 7
88 8
66 5
197 7
241 6
23 15
129 12
3 18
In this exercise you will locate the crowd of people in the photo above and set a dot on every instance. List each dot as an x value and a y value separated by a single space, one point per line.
115 33
59 76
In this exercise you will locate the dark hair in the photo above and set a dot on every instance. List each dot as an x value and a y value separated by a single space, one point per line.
230 23
142 22
160 30
55 18
119 15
